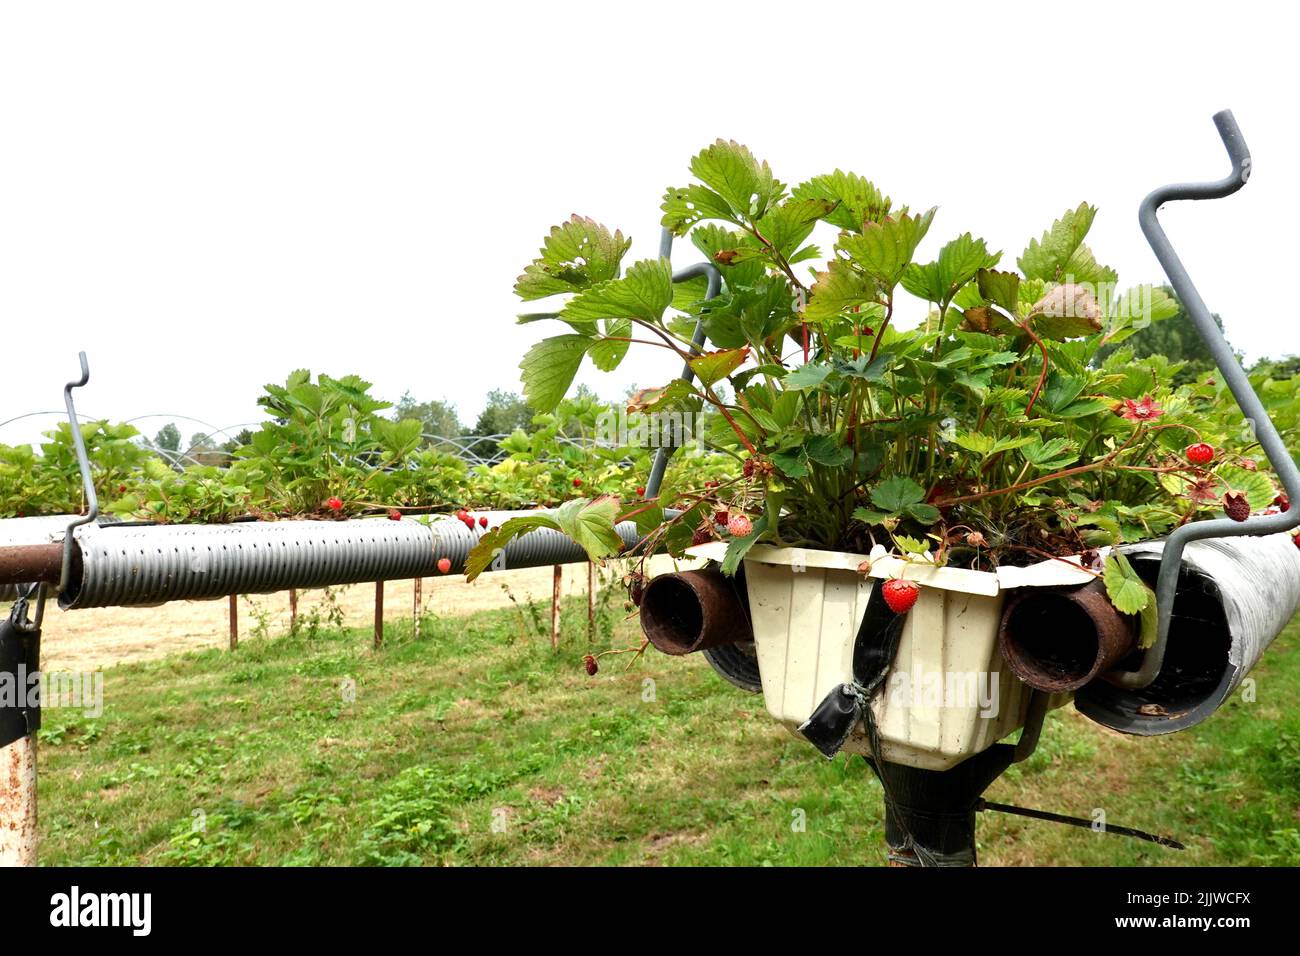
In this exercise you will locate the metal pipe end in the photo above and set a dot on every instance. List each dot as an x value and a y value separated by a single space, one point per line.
1057 640
693 611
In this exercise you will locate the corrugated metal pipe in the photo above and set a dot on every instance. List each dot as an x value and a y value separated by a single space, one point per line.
1234 596
126 565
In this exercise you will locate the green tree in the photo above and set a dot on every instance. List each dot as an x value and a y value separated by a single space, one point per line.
1286 367
1176 339
435 417
244 437
168 438
503 413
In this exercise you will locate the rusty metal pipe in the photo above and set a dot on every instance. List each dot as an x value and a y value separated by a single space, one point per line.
1057 640
694 611
29 563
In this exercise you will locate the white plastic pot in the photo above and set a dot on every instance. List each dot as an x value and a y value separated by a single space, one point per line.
949 695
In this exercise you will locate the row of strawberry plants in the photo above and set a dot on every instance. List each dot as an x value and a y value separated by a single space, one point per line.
328 450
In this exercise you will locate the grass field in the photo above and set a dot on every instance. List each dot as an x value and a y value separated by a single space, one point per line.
476 744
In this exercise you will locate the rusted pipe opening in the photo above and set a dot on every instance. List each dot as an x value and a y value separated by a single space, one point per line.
693 611
1058 640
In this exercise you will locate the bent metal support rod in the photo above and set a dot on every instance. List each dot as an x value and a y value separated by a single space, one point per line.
660 463
83 465
1252 408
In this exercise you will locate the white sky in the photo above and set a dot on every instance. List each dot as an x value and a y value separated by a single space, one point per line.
205 197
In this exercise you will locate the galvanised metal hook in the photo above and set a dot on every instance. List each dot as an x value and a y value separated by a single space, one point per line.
660 464
1252 408
83 463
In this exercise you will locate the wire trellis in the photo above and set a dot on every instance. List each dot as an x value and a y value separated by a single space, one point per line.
474 450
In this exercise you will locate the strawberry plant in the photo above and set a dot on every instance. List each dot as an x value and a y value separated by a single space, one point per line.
49 482
954 408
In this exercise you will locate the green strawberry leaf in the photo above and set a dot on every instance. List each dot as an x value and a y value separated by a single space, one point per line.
644 293
1126 590
714 366
549 368
885 249
576 255
896 494
488 546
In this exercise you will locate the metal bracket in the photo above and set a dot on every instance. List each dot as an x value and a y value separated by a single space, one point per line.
660 463
87 481
20 654
18 614
1233 374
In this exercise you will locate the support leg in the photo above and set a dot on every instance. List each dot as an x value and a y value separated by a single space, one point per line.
930 814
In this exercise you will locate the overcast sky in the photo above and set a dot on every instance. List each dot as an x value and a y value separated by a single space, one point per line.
205 197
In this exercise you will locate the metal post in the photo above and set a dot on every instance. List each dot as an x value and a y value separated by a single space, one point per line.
591 601
379 614
20 719
18 803
293 610
234 621
557 576
419 605
930 814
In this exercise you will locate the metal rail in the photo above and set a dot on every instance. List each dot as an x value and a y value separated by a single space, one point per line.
1238 384
83 463
660 463
125 565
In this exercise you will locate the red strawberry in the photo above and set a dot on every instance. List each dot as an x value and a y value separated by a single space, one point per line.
640 492
740 525
444 565
701 536
589 662
334 504
483 522
721 516
394 514
1282 503
1296 539
577 482
900 595
748 468
636 590
1235 506
1200 453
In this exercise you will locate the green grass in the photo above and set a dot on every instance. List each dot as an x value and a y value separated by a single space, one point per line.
477 745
